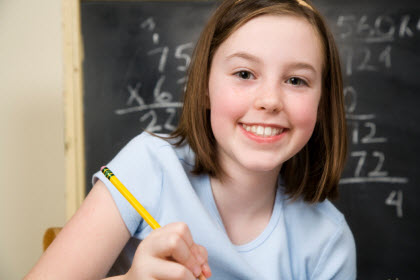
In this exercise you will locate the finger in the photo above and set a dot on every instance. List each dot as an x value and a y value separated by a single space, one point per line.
170 270
200 253
181 253
203 259
183 230
171 243
161 241
197 256
205 270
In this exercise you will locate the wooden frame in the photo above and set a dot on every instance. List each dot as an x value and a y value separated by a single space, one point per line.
73 103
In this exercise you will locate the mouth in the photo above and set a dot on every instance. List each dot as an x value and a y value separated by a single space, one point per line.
264 131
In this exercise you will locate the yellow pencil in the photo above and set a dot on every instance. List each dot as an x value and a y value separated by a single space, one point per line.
134 202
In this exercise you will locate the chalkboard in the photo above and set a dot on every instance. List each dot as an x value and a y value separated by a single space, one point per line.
136 55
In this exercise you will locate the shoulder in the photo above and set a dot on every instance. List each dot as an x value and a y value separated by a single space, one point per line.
337 257
312 216
149 141
161 146
142 165
320 233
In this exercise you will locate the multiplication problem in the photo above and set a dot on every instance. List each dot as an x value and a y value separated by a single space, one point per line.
162 98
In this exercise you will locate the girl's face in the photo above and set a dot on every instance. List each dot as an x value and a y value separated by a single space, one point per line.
264 89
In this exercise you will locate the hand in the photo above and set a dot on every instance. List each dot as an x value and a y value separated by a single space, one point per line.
169 252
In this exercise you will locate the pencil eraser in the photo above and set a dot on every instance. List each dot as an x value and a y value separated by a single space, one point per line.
102 168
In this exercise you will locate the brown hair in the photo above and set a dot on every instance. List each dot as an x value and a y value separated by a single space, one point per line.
314 172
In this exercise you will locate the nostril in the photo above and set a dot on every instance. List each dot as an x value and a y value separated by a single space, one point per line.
269 103
272 109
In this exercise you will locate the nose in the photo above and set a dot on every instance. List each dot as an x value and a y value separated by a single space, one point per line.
269 99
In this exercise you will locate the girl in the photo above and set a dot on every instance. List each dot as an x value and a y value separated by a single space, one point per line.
242 185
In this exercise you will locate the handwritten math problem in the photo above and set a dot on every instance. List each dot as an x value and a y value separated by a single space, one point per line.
372 53
162 99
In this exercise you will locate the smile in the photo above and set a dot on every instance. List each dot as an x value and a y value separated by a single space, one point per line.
263 131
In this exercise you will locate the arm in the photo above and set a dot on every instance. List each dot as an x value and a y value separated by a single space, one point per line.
89 243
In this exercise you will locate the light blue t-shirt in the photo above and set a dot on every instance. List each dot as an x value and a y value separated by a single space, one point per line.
301 241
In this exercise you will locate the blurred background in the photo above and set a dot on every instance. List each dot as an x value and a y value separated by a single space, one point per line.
32 166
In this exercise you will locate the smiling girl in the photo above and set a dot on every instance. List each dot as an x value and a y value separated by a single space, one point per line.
243 184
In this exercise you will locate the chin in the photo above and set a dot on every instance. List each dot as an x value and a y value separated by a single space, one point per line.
261 166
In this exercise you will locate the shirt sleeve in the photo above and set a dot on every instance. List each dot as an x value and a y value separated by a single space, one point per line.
138 169
338 259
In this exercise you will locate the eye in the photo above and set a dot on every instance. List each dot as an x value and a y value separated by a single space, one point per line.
245 75
296 81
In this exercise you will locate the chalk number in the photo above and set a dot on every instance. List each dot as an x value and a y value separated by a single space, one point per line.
395 198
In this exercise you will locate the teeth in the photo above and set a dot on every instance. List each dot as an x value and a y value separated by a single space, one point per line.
264 131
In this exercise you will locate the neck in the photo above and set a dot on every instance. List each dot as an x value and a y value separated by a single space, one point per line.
245 202
245 193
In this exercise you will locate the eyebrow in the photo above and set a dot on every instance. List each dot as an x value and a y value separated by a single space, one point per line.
253 58
301 65
244 55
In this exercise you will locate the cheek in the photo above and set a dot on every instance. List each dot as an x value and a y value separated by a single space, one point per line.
227 104
305 113
223 115
226 109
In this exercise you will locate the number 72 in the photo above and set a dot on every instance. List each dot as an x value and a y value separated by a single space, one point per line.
377 172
